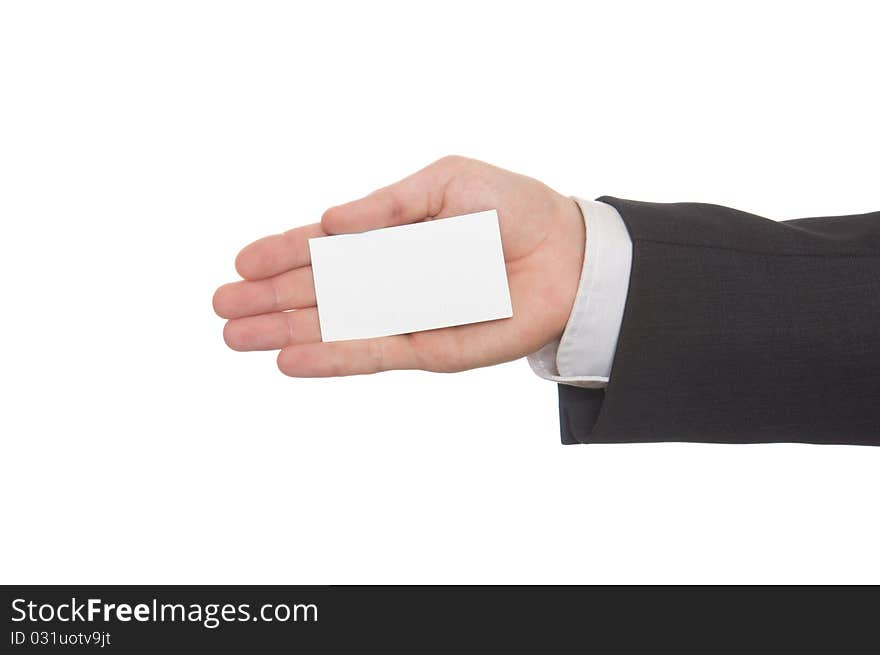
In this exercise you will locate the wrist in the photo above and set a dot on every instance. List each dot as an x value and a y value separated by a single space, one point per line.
571 250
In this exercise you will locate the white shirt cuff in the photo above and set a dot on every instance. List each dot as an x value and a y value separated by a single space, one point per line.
582 357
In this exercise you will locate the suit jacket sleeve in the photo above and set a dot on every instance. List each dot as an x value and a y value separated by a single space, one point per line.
740 329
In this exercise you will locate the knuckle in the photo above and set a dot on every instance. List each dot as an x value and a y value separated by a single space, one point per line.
276 294
395 207
376 355
452 161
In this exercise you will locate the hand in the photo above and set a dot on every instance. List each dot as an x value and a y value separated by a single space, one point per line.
542 234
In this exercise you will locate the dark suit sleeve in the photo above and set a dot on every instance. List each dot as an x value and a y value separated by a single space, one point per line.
740 329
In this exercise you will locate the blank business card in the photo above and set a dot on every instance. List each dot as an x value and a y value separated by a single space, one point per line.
439 273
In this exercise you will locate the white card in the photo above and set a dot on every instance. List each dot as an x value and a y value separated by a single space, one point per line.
440 273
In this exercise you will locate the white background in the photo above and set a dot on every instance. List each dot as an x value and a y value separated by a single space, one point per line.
142 143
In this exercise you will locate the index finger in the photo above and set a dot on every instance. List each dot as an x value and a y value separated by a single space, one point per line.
277 253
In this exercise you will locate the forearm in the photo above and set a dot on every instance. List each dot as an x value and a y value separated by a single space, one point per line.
741 329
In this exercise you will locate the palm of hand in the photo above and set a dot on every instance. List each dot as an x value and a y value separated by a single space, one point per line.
542 236
543 239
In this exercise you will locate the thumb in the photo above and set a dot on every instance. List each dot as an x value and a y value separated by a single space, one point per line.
412 199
